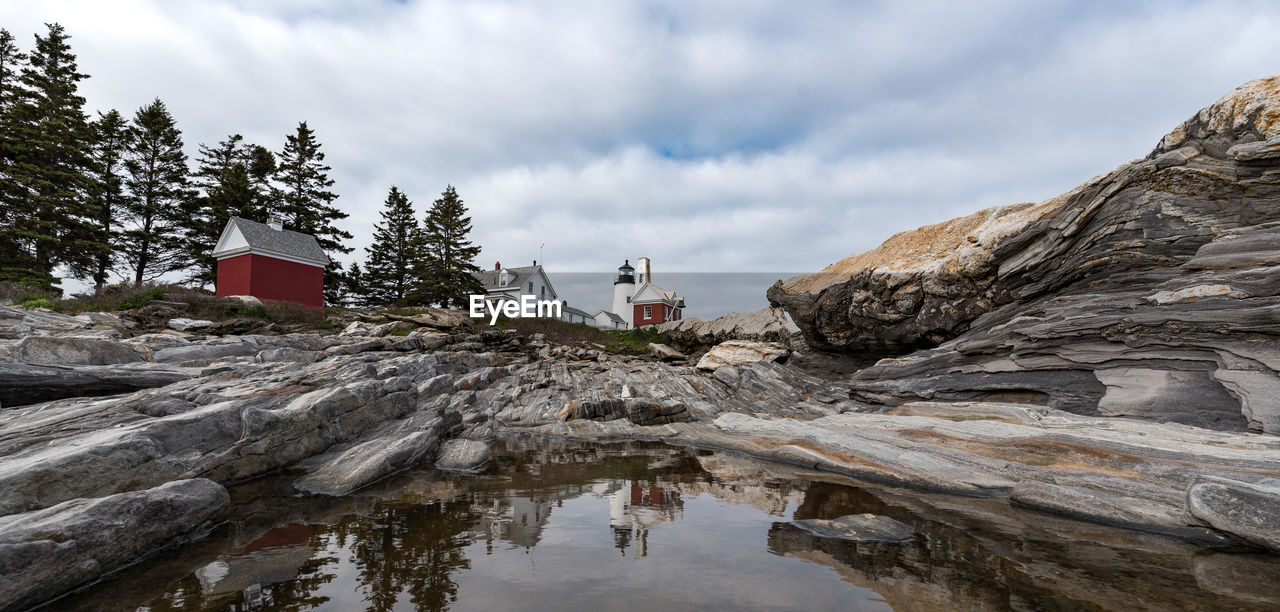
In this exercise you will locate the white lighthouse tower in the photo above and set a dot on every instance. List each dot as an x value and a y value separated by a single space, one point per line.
624 286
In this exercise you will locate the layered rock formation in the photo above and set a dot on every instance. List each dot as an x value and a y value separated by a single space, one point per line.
1149 291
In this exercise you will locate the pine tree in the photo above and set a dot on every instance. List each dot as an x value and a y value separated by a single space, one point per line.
158 192
388 273
110 140
47 182
306 203
12 62
231 178
354 290
445 273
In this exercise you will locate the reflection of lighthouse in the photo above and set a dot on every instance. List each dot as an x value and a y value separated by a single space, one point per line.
636 509
624 286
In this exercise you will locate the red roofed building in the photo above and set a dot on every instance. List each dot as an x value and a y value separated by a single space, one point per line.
268 262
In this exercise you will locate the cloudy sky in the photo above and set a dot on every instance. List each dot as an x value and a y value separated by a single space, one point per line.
710 136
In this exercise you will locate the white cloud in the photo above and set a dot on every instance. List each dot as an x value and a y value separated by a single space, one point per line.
711 136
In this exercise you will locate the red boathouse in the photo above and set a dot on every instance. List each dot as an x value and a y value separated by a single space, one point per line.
268 262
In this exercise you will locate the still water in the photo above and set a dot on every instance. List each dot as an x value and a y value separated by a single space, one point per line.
567 526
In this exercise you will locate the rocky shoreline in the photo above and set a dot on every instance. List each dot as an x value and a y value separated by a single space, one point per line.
1108 355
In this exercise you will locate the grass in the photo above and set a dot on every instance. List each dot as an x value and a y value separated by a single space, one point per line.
200 304
614 341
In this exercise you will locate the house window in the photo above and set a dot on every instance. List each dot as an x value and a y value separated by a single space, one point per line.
544 293
648 312
530 286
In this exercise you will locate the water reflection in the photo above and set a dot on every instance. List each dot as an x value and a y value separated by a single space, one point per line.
559 525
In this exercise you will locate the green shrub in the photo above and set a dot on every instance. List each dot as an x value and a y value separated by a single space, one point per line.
140 298
38 302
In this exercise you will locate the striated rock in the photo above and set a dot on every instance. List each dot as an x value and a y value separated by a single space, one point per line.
48 552
665 353
738 352
463 455
73 350
764 325
185 324
22 384
1149 291
1249 511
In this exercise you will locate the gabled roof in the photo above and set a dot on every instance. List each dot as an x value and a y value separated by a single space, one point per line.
572 310
242 236
517 280
612 317
649 293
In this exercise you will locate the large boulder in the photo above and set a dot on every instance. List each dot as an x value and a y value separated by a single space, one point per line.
49 552
738 352
925 286
764 325
74 350
1150 291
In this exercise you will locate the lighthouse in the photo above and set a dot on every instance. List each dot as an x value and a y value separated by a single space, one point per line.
624 286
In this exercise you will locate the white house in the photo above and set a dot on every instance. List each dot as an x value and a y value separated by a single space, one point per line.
573 315
608 320
501 284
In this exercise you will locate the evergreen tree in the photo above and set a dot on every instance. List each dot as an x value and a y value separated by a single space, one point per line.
110 140
12 62
354 290
46 187
305 202
230 188
445 268
158 193
388 274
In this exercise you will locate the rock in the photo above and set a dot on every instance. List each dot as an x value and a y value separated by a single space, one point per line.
204 353
859 528
154 315
440 318
1248 511
1148 291
463 455
185 324
104 318
21 321
737 352
238 327
765 325
73 350
247 300
22 384
665 353
49 552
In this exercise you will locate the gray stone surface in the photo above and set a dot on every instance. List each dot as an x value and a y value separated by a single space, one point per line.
463 455
48 552
1150 291
185 324
73 350
1249 511
764 325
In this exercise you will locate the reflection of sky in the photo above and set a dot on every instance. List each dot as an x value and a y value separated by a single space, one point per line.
715 555
707 294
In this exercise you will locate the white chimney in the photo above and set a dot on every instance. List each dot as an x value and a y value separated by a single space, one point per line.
645 275
275 222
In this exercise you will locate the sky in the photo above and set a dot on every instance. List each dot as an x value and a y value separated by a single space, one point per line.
734 136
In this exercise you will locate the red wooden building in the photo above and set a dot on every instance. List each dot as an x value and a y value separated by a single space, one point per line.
268 262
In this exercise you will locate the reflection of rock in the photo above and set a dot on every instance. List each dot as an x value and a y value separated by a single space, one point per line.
47 552
1246 577
274 557
858 528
